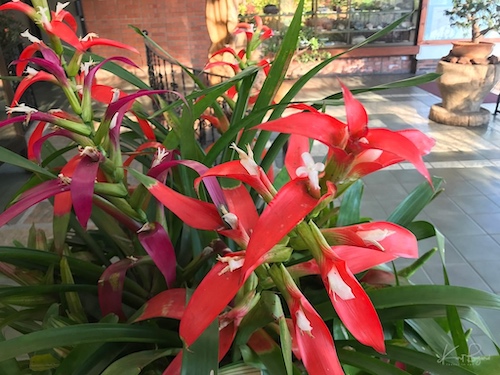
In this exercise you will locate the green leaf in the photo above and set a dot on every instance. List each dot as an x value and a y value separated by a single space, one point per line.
456 328
367 363
9 157
407 272
35 259
485 365
421 229
91 333
80 354
275 78
133 364
432 334
349 212
9 366
202 357
415 202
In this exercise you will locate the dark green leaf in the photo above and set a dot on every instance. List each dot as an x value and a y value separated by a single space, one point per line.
91 333
349 212
133 364
415 202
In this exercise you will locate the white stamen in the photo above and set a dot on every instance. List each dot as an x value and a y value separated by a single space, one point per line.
161 153
338 286
303 323
246 160
64 179
31 71
233 263
374 236
116 95
42 11
89 36
85 66
91 152
310 169
22 108
146 228
114 121
61 6
231 220
30 37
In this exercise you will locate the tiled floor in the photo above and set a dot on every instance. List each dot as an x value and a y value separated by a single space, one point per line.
467 212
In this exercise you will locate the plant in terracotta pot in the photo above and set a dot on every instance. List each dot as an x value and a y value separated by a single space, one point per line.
468 72
481 17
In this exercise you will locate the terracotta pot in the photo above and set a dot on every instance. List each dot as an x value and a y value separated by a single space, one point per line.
472 50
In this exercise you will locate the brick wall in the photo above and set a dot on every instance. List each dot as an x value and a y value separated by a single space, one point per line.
365 65
426 66
178 26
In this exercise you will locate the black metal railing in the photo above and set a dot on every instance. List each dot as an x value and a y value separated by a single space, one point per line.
164 73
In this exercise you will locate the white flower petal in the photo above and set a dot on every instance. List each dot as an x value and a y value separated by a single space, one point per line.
302 322
338 286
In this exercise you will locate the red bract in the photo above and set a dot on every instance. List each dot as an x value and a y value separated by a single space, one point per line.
213 294
157 244
110 287
354 149
310 333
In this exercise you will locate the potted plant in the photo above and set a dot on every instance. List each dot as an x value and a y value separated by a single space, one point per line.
467 73
480 17
204 262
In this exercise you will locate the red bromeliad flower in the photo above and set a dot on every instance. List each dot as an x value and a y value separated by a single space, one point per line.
354 149
311 336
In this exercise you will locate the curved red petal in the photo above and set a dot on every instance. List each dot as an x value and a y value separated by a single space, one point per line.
167 304
28 52
357 314
146 128
357 118
158 245
31 197
67 17
398 144
210 297
110 287
106 42
240 203
319 126
65 32
34 137
195 213
28 81
234 169
82 188
290 206
317 349
297 145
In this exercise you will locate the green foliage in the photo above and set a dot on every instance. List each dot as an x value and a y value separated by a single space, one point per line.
99 298
479 16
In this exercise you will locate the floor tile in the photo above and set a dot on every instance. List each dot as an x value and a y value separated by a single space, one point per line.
476 204
459 275
488 270
477 248
489 222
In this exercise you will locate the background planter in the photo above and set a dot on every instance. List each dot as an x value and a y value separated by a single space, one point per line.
463 89
472 50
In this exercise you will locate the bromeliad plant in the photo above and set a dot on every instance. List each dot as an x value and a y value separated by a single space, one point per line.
201 261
